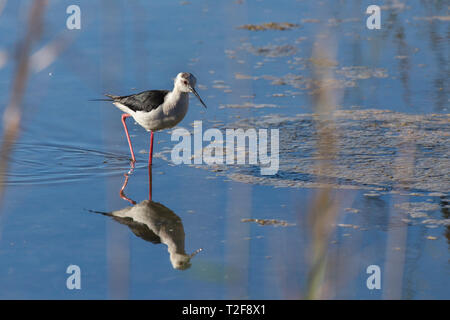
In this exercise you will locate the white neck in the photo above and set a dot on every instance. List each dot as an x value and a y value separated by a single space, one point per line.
176 98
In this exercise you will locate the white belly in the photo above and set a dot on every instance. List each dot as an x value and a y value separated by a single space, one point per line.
165 116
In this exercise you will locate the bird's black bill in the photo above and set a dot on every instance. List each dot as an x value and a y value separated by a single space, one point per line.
196 94
195 252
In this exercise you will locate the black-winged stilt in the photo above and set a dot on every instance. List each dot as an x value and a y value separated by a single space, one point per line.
155 223
157 109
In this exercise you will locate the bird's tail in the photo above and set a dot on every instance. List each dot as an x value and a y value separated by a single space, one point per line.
110 96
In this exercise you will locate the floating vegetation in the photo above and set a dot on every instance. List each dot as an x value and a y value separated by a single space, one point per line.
220 84
418 210
269 26
394 5
305 83
272 51
346 225
362 72
437 222
241 76
248 105
346 77
414 208
310 20
335 22
368 144
433 18
323 62
269 222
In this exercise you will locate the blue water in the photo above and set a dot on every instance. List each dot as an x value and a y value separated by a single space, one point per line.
72 154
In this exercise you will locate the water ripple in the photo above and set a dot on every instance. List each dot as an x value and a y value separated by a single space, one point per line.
43 163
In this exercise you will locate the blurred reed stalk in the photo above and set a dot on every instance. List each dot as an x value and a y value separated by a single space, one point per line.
323 212
2 5
13 112
113 39
239 197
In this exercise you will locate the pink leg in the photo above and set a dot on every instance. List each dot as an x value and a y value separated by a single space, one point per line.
150 183
124 116
150 156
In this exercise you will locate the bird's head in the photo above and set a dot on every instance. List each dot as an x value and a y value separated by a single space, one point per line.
185 82
180 261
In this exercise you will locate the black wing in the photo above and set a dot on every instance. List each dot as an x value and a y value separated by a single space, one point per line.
139 229
144 101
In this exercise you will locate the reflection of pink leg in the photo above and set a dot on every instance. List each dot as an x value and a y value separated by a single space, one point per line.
121 193
150 156
150 183
124 116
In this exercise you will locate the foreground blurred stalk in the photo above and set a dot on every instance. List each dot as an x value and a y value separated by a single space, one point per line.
323 212
13 112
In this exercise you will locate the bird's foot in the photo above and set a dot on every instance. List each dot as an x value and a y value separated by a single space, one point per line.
132 166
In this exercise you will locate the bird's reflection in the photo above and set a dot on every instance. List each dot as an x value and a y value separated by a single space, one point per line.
155 223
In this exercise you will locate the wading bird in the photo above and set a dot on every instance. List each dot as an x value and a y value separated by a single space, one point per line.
157 109
155 223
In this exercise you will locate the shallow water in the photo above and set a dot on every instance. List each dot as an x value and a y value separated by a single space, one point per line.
72 157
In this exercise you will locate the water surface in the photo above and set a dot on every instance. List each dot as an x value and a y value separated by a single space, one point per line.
72 156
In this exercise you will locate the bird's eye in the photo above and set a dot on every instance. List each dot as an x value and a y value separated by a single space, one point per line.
185 82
